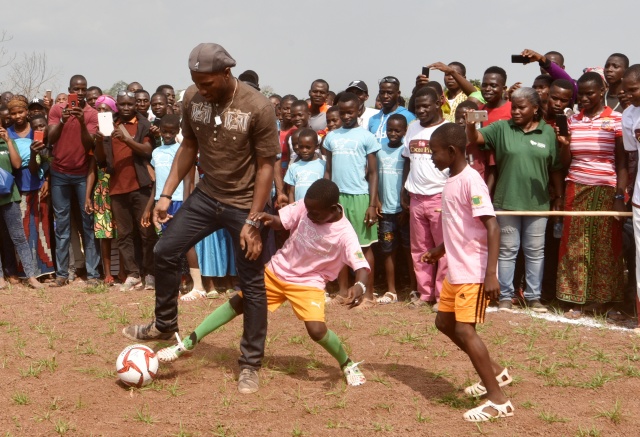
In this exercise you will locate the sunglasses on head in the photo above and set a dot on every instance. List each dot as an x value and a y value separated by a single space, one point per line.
388 79
126 93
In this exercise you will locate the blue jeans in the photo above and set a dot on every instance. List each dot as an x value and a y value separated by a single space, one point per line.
528 231
12 217
62 187
199 216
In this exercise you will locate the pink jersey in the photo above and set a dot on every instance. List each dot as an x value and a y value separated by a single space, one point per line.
465 198
314 254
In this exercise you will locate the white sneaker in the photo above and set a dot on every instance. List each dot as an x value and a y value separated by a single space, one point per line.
131 283
149 282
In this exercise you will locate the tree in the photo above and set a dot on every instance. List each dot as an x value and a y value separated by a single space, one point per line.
267 91
120 85
5 57
30 75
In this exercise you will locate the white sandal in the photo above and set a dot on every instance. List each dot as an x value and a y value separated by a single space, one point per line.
477 389
193 295
478 415
387 298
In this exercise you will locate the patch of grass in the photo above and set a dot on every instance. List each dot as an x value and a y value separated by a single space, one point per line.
600 355
381 427
98 373
593 432
441 374
143 415
33 370
298 339
614 415
62 427
422 419
146 312
563 334
348 324
101 288
381 380
452 400
53 406
384 331
80 403
409 337
628 370
174 390
20 398
597 381
551 417
297 431
221 431
527 405
122 318
85 347
48 363
441 353
384 407
500 340
334 425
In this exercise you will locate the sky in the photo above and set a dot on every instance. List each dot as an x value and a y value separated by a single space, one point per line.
289 43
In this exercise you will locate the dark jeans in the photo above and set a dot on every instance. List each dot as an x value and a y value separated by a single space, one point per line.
198 217
127 212
62 188
12 217
7 252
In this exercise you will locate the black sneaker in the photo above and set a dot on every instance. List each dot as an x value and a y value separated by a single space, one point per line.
146 332
535 306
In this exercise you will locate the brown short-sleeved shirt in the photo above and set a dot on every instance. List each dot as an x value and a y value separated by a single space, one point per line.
228 152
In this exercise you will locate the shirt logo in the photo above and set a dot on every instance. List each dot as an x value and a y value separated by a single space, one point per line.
420 146
388 236
237 120
195 67
315 304
476 200
607 125
201 112
359 255
540 145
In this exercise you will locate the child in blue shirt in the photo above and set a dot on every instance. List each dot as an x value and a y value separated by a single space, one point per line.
162 159
393 230
352 165
308 169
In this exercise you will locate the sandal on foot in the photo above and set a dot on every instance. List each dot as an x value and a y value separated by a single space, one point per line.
193 295
365 305
387 298
213 294
417 303
573 314
338 300
479 415
477 389
172 353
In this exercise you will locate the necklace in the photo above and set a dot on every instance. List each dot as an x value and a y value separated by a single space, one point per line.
218 119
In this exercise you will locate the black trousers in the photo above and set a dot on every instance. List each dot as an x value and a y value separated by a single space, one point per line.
199 216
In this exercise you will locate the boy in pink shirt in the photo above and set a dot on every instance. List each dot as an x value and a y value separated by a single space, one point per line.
471 242
322 241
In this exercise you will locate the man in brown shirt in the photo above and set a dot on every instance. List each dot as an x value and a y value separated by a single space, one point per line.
233 127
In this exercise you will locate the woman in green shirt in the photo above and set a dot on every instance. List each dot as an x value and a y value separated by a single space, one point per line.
527 160
10 212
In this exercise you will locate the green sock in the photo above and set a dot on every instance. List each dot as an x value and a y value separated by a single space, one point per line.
331 343
221 316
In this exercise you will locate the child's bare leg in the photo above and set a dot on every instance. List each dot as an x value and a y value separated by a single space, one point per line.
390 270
368 254
479 355
194 269
105 252
446 323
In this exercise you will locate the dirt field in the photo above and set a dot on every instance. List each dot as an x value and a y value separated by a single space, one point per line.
58 348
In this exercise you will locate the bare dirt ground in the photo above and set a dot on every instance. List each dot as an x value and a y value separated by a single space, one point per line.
57 366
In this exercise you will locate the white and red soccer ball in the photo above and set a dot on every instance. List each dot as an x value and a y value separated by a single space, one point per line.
137 365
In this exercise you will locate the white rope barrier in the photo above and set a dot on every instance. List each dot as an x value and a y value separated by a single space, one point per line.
567 213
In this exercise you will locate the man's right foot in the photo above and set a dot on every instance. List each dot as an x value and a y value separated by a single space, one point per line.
248 381
59 282
172 353
506 306
132 283
146 332
353 374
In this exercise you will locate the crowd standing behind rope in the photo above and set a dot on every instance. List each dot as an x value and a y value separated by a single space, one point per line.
81 173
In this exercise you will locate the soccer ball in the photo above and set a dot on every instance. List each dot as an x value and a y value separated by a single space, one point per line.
137 365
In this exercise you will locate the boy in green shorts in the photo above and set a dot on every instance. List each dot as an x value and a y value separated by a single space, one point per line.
322 241
350 150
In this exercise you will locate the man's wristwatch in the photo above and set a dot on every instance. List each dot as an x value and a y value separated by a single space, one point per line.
254 223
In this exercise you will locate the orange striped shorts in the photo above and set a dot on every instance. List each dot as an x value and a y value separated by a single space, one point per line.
468 301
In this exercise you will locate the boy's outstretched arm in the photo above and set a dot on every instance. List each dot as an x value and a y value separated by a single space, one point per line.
271 220
491 285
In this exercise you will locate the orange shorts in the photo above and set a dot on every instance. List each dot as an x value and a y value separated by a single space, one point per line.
468 301
307 302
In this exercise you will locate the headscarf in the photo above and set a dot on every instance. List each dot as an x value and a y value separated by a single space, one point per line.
18 102
107 100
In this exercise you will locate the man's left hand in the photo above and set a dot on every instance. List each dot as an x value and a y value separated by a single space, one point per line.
250 242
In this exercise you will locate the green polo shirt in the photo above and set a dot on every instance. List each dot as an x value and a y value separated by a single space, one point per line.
5 164
524 161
